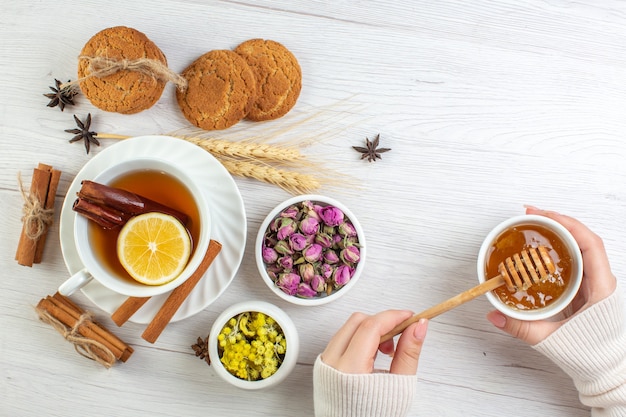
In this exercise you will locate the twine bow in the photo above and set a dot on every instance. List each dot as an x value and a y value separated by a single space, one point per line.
100 66
83 345
36 218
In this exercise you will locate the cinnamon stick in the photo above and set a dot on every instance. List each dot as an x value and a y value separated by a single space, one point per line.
55 176
104 216
126 203
62 310
180 294
27 246
127 309
99 332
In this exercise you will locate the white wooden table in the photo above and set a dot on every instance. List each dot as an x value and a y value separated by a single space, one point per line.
487 106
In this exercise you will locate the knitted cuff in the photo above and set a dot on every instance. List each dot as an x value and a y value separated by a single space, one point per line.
591 348
360 395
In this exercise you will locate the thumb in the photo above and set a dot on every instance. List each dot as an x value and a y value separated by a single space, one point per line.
531 332
409 348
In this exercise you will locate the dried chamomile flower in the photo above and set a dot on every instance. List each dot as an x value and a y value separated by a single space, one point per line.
251 346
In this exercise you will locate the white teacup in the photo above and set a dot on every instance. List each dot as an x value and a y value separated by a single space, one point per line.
95 268
573 251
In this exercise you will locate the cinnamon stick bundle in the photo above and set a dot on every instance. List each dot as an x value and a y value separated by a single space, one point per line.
89 338
111 207
38 214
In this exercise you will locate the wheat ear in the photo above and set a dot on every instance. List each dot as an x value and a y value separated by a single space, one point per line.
293 182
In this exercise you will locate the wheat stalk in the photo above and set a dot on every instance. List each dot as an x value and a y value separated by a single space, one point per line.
246 149
293 182
254 157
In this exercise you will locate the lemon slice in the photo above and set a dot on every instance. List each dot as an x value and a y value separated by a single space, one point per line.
153 248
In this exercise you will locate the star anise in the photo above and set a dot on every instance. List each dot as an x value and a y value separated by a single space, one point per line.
61 96
202 349
83 133
371 151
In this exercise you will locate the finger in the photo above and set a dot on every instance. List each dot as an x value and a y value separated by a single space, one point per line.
387 347
409 349
361 351
340 341
531 332
596 267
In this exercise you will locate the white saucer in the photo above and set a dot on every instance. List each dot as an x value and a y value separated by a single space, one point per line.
227 213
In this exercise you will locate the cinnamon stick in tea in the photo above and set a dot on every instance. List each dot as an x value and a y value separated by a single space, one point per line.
104 216
105 202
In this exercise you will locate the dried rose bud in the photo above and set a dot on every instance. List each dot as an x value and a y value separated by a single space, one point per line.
273 270
269 255
283 248
331 216
304 290
350 255
327 271
285 262
324 239
275 224
288 282
290 212
309 225
342 275
318 283
307 271
313 252
310 209
287 227
331 257
347 241
297 242
346 229
329 230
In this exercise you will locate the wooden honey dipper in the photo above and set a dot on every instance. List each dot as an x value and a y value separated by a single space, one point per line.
519 271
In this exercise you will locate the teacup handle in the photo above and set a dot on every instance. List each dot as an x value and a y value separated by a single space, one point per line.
75 282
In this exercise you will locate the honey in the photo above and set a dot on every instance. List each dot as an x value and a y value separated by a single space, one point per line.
154 185
517 239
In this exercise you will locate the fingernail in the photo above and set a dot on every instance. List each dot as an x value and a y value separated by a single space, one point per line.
419 332
528 206
497 319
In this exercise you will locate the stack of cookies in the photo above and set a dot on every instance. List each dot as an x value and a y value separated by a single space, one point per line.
259 80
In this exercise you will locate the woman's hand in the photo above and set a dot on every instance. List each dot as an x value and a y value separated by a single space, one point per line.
598 282
354 347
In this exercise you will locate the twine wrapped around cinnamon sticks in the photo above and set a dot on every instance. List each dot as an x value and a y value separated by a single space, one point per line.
100 66
77 327
38 213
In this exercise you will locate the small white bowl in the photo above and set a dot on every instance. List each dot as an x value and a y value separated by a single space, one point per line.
571 245
289 330
323 299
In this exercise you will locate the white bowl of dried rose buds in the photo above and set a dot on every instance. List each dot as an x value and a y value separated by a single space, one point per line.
310 250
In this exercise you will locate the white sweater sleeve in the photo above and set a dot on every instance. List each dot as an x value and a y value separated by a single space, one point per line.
591 349
337 394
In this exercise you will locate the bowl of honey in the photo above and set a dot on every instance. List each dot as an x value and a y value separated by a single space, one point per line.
550 296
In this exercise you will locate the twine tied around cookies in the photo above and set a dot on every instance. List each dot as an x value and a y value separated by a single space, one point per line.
36 217
100 66
83 345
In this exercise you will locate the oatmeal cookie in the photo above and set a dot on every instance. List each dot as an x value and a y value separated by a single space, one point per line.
124 91
278 76
220 90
